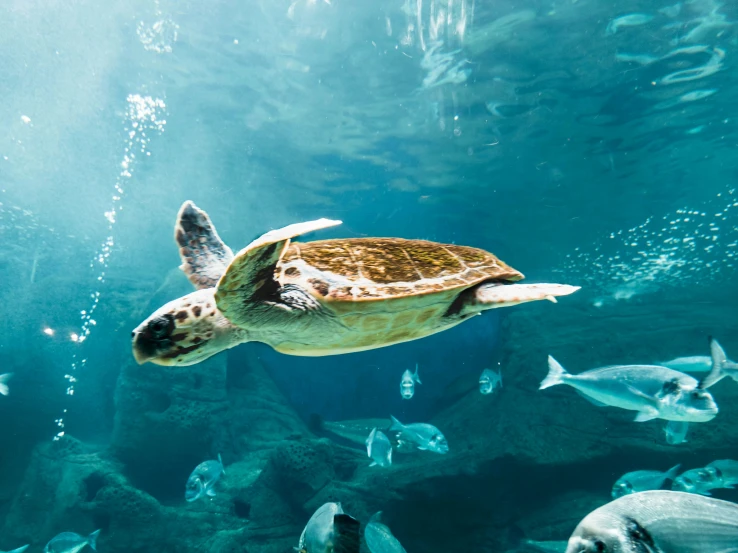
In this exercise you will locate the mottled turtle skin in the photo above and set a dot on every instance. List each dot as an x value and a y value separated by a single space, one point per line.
321 298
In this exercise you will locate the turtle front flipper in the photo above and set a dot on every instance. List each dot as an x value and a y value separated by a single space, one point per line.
249 281
491 295
204 255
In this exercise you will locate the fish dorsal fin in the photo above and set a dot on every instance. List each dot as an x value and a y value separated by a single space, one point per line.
204 255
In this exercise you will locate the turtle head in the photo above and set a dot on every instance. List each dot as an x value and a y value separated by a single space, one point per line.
185 331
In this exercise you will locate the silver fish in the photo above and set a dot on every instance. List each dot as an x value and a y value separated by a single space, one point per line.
203 479
407 383
69 542
318 532
653 391
19 550
699 481
642 480
379 537
694 363
725 471
489 380
379 449
630 20
330 530
4 378
425 436
658 521
721 366
676 432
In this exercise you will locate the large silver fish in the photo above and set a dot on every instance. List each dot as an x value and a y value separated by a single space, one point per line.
330 530
653 391
489 380
354 431
425 436
721 366
658 522
642 480
4 378
725 471
203 479
379 537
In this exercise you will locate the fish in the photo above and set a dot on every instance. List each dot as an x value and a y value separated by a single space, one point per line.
489 380
642 480
676 432
652 390
724 471
21 549
694 363
721 366
4 378
426 437
203 479
69 542
379 538
407 383
379 449
630 20
330 530
658 521
698 481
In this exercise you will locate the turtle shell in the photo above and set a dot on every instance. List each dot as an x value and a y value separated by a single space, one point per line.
377 269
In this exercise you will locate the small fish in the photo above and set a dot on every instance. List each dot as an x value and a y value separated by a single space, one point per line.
642 480
426 437
354 431
694 363
203 479
653 391
379 449
379 538
489 380
4 378
663 521
330 530
676 432
721 366
630 20
19 550
69 542
699 481
724 471
407 383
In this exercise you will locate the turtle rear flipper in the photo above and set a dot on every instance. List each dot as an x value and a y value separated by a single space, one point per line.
249 279
204 255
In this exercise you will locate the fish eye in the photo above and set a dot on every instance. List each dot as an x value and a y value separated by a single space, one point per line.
600 546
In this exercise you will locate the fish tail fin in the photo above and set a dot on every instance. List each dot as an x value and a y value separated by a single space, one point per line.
222 466
4 378
92 540
556 374
672 473
373 464
416 378
396 425
719 360
347 538
389 456
21 549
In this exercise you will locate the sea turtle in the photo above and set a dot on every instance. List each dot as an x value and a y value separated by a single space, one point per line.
321 298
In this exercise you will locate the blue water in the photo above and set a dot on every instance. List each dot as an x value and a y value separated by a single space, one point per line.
578 144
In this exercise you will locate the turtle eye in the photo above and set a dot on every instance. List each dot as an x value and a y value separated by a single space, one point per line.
160 326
